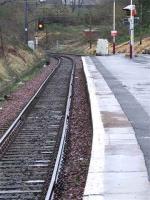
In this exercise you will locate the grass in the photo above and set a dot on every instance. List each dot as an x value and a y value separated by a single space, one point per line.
71 39
33 72
25 77
67 39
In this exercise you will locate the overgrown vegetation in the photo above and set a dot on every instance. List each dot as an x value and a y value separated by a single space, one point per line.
63 32
16 59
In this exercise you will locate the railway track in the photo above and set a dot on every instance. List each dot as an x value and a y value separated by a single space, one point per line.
15 99
30 163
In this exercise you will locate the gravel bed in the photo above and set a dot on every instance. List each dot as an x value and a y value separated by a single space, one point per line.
18 99
72 178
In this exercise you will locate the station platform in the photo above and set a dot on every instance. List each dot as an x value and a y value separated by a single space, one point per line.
117 168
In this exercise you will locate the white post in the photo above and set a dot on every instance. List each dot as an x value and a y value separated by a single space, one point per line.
36 42
114 27
131 31
57 44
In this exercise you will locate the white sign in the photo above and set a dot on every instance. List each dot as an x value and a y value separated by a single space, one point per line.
31 44
102 47
113 33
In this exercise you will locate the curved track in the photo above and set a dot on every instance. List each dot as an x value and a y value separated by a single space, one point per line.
27 164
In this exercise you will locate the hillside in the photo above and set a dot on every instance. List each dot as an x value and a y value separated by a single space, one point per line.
143 48
16 58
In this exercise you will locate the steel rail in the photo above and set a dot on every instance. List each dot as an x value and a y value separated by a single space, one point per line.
54 177
18 121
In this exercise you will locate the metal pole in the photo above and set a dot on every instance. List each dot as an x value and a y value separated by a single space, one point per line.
141 21
46 37
90 30
2 44
26 20
114 27
131 31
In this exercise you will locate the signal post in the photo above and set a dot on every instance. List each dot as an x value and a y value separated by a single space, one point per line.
131 12
132 30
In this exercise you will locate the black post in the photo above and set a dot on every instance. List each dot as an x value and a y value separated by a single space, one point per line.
141 21
46 37
90 30
2 45
26 20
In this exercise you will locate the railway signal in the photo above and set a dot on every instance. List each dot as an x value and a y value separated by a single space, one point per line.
126 21
40 25
130 9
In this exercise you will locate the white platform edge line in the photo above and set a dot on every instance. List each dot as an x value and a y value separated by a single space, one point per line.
98 142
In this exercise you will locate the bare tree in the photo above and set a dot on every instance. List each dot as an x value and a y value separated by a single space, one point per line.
73 5
80 3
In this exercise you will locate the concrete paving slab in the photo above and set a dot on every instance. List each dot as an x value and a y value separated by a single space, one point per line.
117 163
120 136
120 130
122 149
117 183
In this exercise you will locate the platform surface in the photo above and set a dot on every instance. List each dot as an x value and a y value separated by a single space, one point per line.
117 168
